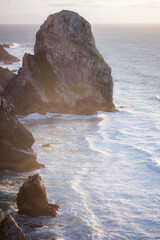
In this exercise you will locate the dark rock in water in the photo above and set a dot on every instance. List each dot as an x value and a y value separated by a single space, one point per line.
16 142
5 76
6 57
34 225
32 199
46 145
66 74
9 230
14 71
4 45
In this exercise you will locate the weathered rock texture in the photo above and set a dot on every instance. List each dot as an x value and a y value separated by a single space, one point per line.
32 199
6 57
9 230
66 72
15 142
5 76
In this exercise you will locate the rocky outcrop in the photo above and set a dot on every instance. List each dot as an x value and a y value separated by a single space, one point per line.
6 57
32 199
5 76
9 230
66 72
16 142
5 45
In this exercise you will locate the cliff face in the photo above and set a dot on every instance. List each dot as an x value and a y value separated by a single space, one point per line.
66 72
16 142
5 77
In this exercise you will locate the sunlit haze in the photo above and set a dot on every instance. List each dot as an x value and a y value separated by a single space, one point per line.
95 11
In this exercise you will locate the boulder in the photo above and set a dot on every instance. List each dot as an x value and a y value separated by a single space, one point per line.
6 57
16 142
66 74
9 230
32 199
5 76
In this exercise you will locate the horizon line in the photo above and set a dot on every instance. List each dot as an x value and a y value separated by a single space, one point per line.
90 23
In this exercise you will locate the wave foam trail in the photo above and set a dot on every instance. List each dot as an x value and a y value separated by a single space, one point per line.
158 96
15 45
86 211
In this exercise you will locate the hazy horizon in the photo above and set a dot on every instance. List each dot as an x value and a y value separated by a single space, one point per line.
91 24
95 11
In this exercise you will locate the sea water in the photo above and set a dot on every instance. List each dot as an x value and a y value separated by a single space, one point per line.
103 170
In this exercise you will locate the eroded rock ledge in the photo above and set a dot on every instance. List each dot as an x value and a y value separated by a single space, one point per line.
66 74
16 142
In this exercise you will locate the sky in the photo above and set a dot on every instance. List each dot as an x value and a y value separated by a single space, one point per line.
95 11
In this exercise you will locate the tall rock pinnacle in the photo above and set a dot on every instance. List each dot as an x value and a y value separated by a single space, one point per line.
66 74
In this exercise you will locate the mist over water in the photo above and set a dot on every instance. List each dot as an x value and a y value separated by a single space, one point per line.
103 170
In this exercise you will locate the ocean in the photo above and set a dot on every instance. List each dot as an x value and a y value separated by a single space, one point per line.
103 169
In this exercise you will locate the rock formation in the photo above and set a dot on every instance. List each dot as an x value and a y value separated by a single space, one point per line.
66 72
5 77
9 230
16 141
32 199
6 57
5 45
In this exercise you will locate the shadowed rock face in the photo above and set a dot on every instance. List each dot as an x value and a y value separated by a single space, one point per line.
6 57
9 230
5 77
16 142
32 199
66 72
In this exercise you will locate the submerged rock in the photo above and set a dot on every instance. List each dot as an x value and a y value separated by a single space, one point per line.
16 142
46 145
9 230
6 57
32 199
66 74
5 76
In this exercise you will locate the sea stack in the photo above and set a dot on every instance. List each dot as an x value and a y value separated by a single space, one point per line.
16 142
66 74
32 199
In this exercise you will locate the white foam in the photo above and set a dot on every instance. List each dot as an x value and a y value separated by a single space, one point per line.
158 96
15 45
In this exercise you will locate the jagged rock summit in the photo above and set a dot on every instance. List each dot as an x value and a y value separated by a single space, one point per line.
66 74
